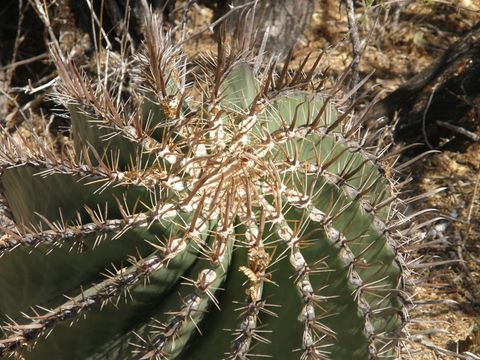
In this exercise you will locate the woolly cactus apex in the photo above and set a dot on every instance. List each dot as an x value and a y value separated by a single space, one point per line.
240 216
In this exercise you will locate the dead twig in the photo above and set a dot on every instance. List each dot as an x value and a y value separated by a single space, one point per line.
424 116
355 40
24 62
441 351
17 116
459 130
18 40
211 26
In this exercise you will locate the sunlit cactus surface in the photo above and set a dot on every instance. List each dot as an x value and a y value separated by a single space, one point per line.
217 209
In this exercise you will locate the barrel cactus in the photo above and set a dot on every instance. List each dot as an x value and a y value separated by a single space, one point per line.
220 211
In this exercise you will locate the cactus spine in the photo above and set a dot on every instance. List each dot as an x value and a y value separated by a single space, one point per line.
237 216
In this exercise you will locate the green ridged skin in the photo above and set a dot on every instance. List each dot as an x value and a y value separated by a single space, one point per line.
233 217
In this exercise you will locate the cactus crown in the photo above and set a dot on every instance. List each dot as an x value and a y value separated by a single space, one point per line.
236 210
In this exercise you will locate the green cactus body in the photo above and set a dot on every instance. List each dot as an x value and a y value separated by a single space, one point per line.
247 220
